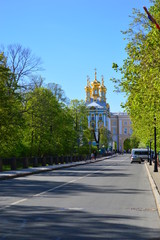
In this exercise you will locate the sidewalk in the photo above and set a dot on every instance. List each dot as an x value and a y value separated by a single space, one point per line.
154 178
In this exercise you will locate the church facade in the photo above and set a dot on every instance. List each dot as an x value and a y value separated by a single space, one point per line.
99 115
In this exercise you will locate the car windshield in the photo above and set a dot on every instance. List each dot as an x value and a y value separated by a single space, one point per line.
141 153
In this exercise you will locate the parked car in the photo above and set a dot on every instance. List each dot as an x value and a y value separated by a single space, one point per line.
135 159
139 155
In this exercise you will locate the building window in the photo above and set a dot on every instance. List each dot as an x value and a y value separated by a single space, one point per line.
114 130
125 123
92 117
125 131
100 117
130 131
114 123
92 125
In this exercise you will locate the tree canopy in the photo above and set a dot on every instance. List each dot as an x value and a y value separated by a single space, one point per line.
140 73
37 121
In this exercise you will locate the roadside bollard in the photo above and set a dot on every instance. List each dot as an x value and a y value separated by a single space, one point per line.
1 165
25 162
13 164
51 160
35 162
44 161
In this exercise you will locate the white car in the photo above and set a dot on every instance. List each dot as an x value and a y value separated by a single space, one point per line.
139 155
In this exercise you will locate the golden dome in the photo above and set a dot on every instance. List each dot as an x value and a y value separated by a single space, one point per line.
95 83
107 105
88 87
102 87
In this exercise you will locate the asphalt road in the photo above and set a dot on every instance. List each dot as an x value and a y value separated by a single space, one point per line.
110 199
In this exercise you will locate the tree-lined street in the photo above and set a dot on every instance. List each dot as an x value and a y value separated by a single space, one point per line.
100 195
110 199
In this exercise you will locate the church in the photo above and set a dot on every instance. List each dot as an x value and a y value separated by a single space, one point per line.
99 115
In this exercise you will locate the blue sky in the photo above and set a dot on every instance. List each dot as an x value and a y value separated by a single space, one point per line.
72 37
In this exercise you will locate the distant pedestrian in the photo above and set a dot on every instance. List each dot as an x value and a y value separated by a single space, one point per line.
92 156
95 154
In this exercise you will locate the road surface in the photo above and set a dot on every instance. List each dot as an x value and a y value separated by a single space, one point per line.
109 199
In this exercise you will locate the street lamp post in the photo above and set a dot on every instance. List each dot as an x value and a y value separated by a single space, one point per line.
155 163
150 160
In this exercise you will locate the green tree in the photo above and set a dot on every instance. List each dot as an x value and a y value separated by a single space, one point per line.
81 132
20 68
58 92
127 144
42 122
141 73
134 142
11 109
49 125
105 137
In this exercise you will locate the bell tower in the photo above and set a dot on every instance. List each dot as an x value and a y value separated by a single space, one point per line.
88 90
95 87
103 91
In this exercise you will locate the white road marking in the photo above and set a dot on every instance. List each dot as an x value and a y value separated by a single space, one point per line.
70 209
75 209
19 201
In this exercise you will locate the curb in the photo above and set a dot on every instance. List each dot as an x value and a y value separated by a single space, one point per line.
25 172
154 190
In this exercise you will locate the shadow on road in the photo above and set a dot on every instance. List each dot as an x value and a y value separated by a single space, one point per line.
22 222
